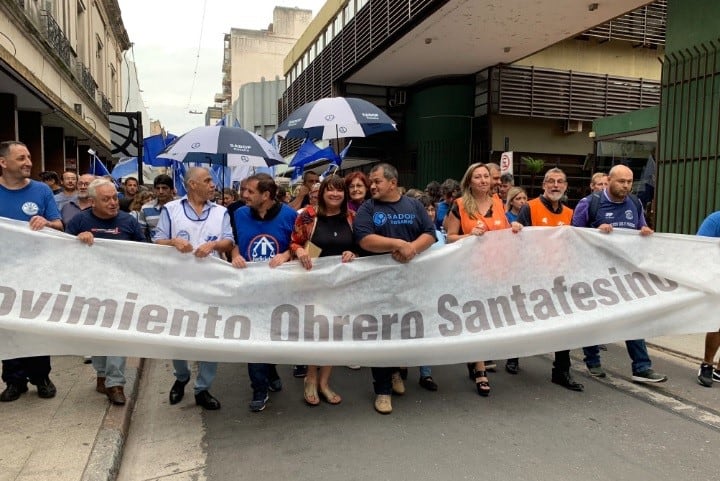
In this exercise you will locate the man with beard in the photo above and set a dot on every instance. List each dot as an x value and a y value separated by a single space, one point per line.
547 210
616 208
81 202
69 189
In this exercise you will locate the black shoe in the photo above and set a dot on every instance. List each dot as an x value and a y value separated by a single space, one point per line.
274 382
512 365
206 400
403 373
177 391
299 371
12 392
564 379
46 389
428 383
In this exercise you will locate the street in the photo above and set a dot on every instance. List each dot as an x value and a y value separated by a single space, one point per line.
528 429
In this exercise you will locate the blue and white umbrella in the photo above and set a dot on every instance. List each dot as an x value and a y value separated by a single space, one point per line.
335 117
227 146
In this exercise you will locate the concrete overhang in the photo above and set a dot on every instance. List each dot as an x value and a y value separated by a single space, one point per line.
465 36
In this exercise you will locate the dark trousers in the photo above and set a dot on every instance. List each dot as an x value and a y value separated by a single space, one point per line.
382 379
258 373
562 361
23 369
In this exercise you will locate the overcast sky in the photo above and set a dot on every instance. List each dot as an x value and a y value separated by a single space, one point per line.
166 35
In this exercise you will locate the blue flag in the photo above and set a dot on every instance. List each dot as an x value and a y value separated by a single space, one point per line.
152 146
125 168
97 167
178 169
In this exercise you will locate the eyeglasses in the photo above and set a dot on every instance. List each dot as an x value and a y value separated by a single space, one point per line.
555 181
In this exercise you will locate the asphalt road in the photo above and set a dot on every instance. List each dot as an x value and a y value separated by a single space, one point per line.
528 429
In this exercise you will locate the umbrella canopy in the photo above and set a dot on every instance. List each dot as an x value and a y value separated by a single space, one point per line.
231 146
335 117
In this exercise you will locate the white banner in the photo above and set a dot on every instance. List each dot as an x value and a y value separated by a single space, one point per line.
491 297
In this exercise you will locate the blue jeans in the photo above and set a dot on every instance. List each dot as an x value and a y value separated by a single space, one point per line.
637 350
112 368
258 373
205 377
425 371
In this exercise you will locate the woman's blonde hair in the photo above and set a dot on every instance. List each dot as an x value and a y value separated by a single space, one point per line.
468 199
512 193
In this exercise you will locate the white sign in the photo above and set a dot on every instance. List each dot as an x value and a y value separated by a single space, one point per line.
506 163
490 297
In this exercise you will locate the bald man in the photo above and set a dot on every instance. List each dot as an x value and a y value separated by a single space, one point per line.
616 208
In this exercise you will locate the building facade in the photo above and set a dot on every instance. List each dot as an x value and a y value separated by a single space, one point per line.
467 81
60 77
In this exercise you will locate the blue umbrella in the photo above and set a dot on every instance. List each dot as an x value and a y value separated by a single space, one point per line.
335 117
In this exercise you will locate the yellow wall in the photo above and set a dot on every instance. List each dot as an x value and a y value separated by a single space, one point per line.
612 58
539 136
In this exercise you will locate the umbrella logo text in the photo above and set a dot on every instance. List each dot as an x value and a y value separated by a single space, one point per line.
343 130
244 158
195 145
329 117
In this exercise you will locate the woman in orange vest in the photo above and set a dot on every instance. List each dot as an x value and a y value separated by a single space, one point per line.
476 212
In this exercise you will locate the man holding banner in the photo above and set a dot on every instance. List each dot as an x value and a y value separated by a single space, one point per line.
195 224
548 211
397 224
616 207
26 200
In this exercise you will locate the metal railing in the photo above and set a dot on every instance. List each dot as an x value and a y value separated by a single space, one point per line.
105 104
56 38
643 26
86 79
565 94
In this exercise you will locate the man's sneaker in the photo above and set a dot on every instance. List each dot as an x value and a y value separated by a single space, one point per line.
46 388
383 403
398 386
259 401
597 371
716 375
705 375
648 376
428 383
299 371
274 382
12 392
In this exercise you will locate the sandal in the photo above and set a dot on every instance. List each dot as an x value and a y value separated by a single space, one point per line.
330 396
483 387
310 394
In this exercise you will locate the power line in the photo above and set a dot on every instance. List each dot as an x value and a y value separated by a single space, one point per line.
197 57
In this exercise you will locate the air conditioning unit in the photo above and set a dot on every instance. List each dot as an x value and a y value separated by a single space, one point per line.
573 126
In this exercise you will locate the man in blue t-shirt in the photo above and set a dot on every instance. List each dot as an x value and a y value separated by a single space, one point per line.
105 220
399 225
263 228
707 375
27 200
617 209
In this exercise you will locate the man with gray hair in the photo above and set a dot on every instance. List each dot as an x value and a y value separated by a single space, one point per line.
196 225
105 220
80 202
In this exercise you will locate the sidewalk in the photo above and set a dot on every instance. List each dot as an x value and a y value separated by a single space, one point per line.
79 436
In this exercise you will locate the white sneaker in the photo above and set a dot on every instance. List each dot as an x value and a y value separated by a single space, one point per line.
398 386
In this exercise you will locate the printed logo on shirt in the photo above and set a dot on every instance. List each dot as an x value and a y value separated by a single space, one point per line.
30 208
609 215
381 218
262 247
211 238
184 235
628 214
114 231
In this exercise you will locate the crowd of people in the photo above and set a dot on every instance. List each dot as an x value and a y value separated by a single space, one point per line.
343 217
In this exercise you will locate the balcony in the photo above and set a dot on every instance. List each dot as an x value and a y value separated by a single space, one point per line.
564 94
86 79
643 27
56 38
105 104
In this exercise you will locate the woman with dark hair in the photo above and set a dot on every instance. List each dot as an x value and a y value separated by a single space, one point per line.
476 212
358 187
324 232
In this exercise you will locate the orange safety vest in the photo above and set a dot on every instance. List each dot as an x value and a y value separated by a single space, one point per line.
542 216
496 222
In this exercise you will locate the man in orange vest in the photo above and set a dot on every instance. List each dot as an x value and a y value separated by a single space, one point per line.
548 210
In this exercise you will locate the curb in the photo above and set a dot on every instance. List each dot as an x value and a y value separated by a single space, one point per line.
675 352
106 454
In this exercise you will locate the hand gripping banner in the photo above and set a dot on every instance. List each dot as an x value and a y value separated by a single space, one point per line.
491 297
